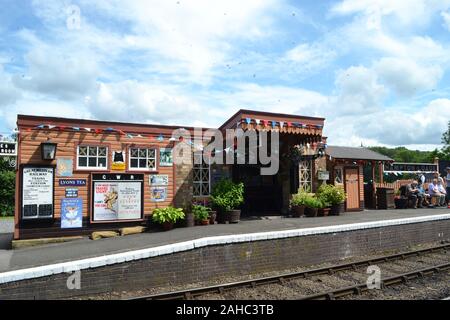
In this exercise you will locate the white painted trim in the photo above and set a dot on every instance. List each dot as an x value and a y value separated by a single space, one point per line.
42 271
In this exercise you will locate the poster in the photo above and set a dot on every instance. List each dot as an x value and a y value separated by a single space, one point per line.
71 213
165 157
158 194
159 179
117 200
118 162
64 167
37 192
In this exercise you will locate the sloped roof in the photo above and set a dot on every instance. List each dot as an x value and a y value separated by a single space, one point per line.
356 153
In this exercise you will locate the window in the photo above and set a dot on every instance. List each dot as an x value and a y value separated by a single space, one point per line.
142 159
92 157
201 172
338 176
305 175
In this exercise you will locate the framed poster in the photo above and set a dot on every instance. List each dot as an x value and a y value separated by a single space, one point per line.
158 194
159 179
117 197
165 157
64 167
118 162
37 192
71 213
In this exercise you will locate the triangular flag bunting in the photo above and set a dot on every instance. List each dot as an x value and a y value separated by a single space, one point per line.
257 121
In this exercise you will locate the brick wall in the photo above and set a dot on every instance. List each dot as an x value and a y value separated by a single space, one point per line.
230 260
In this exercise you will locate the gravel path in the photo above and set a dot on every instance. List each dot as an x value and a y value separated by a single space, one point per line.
6 225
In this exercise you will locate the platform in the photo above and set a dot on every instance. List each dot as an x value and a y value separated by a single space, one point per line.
247 230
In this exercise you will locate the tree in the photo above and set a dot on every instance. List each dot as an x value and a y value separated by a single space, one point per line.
7 188
445 152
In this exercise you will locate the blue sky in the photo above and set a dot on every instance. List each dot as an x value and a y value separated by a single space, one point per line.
376 70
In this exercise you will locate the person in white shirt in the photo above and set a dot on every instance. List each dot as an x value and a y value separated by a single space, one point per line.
433 191
443 193
447 183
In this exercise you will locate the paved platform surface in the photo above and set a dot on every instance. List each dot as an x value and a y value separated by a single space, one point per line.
85 248
6 225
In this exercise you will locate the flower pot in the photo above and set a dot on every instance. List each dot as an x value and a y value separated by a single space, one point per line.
189 220
212 217
234 215
337 209
311 212
167 226
323 212
298 211
223 217
204 222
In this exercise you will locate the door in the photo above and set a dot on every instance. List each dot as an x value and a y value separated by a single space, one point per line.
352 188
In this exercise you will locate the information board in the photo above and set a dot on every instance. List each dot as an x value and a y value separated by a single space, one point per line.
117 197
37 192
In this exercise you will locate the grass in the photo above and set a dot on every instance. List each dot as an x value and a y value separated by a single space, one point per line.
7 218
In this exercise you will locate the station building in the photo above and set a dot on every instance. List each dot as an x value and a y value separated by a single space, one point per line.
77 176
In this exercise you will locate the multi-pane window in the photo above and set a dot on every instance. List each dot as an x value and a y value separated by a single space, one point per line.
338 176
305 175
142 158
92 157
201 173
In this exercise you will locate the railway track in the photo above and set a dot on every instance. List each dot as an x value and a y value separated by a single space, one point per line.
331 270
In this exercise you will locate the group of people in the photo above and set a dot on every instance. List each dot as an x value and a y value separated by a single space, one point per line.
436 195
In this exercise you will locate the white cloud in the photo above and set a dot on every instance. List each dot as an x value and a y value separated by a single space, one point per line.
8 93
406 77
446 16
313 56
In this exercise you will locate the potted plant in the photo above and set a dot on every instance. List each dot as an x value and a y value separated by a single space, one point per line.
334 196
201 214
324 208
227 197
312 205
167 217
298 204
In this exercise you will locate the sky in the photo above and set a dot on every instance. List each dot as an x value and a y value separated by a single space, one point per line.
376 70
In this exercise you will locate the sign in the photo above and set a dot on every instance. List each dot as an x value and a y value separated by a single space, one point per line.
71 192
159 179
37 192
324 175
72 182
8 149
71 213
64 167
165 157
158 194
410 167
118 161
117 197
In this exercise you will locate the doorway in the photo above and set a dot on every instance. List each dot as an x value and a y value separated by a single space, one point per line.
352 188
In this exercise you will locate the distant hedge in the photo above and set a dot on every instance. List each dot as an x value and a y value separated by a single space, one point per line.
7 187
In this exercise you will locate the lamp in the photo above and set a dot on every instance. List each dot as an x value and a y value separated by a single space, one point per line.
48 150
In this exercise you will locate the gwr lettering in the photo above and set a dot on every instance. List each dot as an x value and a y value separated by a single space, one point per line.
249 309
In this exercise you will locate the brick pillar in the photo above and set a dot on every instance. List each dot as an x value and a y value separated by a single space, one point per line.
183 189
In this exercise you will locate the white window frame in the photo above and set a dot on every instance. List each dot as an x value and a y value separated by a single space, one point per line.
88 168
305 169
201 167
155 169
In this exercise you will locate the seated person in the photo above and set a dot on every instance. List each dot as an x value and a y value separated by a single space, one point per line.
413 194
433 190
426 197
443 193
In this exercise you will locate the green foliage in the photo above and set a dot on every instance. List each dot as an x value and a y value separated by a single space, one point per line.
331 194
200 212
169 214
7 189
299 198
227 195
314 202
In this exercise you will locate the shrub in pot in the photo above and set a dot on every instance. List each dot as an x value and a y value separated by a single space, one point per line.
312 205
298 204
227 196
167 217
201 214
334 196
